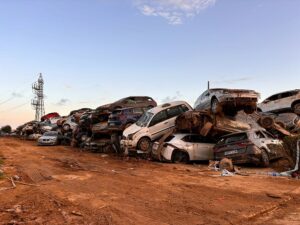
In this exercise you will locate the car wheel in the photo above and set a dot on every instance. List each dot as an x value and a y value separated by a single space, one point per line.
144 144
215 106
296 108
180 157
249 110
265 162
266 122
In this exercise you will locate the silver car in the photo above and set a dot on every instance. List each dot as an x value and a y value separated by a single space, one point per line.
184 148
288 101
227 100
50 138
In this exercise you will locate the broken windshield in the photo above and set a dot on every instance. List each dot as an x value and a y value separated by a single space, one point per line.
145 119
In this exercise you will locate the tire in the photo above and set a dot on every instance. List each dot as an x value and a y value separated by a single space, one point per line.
215 106
266 122
144 144
296 108
265 161
249 110
180 157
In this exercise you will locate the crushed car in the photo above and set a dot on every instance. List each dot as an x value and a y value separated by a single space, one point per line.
152 125
288 101
131 101
123 118
255 146
229 101
184 148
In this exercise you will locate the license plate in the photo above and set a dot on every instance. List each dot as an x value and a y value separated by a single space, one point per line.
231 152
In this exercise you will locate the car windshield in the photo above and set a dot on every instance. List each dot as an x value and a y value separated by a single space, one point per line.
50 134
144 120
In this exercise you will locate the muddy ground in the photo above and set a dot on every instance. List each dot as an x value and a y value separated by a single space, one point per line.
73 187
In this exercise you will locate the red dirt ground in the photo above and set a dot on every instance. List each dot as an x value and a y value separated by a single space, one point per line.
74 187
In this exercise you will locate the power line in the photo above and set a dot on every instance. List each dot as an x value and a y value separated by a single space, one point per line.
14 108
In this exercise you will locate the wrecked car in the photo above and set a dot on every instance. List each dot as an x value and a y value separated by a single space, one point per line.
184 148
227 100
132 101
255 146
289 121
51 138
98 143
123 118
288 101
152 125
50 116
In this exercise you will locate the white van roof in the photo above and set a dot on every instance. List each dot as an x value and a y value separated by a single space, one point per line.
168 105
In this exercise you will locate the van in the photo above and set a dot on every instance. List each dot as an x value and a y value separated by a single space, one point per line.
152 125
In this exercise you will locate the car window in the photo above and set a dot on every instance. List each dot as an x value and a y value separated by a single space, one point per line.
272 98
184 108
138 110
159 117
235 138
258 135
196 139
174 111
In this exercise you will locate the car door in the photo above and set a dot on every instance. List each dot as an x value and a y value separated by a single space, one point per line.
285 100
202 148
159 125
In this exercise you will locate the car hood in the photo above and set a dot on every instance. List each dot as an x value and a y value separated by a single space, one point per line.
132 130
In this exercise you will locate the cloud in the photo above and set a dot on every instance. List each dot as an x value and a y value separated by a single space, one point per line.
62 102
16 95
174 11
177 96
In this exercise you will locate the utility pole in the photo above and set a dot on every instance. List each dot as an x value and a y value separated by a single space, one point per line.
38 101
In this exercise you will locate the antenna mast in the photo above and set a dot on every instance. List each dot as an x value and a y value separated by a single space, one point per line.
38 101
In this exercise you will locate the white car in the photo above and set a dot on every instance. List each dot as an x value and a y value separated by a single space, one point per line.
70 124
184 148
281 102
152 125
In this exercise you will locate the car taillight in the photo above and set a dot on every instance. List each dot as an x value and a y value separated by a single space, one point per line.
244 144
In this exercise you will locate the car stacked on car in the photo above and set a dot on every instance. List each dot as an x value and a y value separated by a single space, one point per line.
174 131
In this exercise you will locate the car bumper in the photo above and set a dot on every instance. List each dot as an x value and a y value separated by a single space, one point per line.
252 155
128 145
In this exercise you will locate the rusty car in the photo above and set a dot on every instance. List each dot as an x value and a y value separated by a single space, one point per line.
219 100
255 146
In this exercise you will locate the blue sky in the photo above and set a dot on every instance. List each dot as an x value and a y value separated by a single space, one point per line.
92 52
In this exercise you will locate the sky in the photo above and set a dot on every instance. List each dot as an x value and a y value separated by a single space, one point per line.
92 52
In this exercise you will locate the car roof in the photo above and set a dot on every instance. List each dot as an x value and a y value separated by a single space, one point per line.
166 106
229 89
285 92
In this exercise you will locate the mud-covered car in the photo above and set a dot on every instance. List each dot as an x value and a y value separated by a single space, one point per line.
123 118
132 101
255 146
288 101
229 100
289 121
184 148
51 138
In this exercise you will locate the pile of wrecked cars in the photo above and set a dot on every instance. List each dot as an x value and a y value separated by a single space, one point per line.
224 123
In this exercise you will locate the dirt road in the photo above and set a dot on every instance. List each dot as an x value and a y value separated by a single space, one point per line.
73 187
